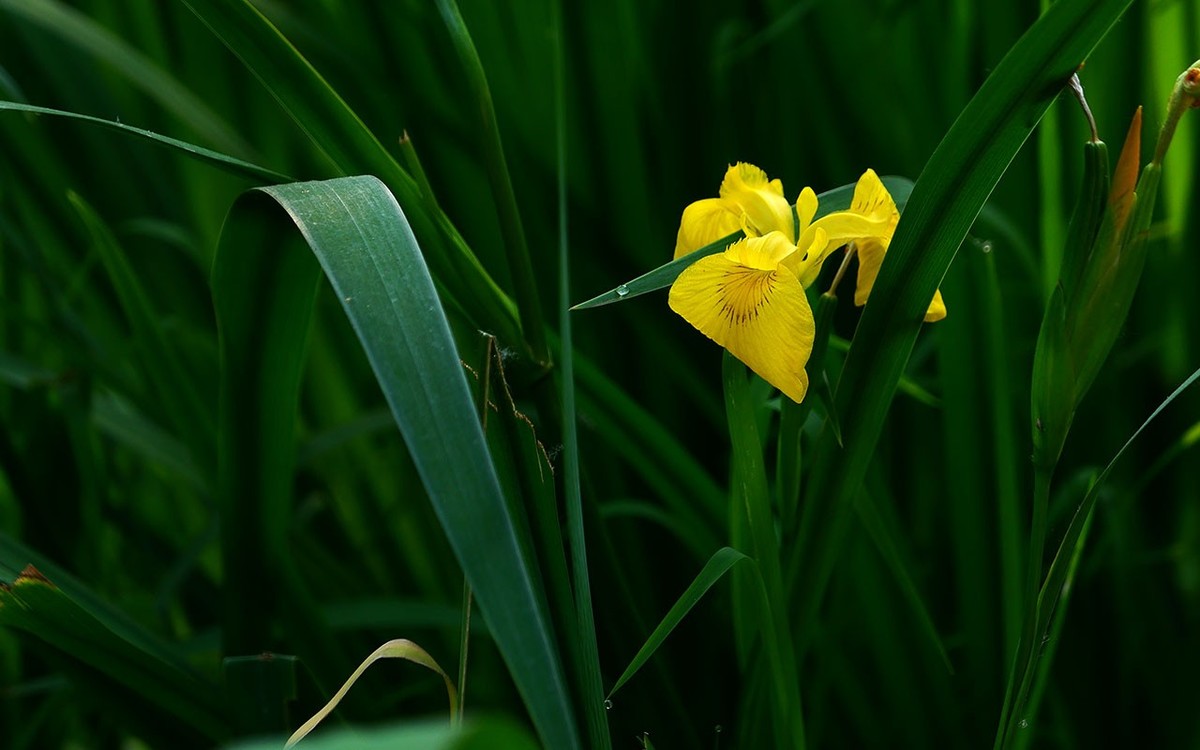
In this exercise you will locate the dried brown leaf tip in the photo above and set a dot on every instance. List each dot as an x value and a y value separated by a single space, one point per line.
32 574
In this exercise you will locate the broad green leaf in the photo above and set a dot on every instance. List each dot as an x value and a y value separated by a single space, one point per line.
264 292
340 135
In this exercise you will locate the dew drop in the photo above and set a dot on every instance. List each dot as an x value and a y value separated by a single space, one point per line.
986 247
1023 724
717 729
607 704
622 290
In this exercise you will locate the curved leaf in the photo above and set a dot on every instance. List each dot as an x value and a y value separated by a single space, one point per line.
263 292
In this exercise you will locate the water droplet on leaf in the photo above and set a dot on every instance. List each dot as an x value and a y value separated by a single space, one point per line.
622 290
607 704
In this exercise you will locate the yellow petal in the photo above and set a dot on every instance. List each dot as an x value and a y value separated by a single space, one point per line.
872 216
806 208
761 202
872 200
840 228
937 308
870 258
758 312
704 222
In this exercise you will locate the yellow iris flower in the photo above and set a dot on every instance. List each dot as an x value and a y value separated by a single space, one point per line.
750 299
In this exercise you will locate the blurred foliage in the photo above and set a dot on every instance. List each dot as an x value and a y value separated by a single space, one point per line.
110 369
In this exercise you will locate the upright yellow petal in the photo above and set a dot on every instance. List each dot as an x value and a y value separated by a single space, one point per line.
704 222
806 209
748 302
761 201
872 199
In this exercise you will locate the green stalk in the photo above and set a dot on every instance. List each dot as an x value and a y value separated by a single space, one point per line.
592 688
750 487
1010 716
528 303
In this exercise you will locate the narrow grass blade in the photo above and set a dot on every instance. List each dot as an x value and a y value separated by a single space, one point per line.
400 648
720 563
591 682
177 394
370 256
340 135
88 35
513 231
1063 563
222 161
751 491
74 622
887 542
837 199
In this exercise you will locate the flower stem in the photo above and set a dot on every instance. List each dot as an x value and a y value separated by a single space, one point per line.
837 278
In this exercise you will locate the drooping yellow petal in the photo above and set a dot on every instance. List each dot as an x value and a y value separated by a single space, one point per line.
748 302
870 258
762 206
704 222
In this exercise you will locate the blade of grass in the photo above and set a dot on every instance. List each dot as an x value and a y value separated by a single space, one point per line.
519 265
1061 567
341 136
46 604
177 393
85 33
749 482
591 687
367 250
223 161
717 566
399 648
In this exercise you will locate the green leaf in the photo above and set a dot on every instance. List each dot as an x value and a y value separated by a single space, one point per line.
719 564
371 258
1065 559
945 201
45 603
222 161
340 135
93 38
